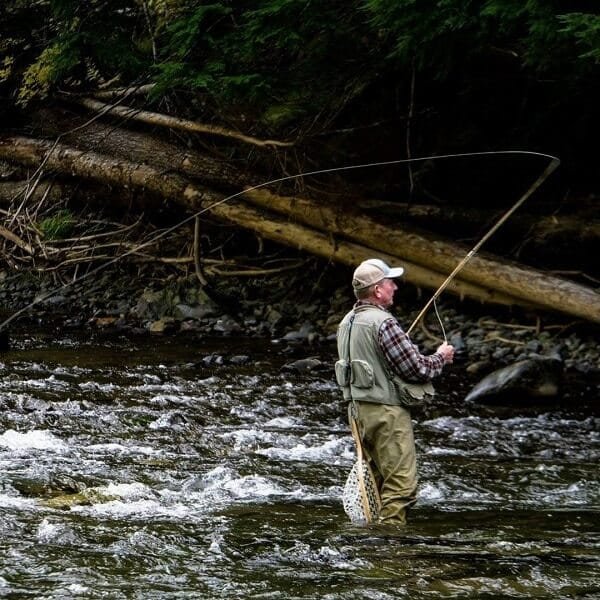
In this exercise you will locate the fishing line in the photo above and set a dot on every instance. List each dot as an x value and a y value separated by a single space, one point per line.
554 163
437 314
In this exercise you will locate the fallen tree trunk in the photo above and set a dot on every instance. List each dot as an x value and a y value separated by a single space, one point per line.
571 298
137 147
89 165
470 221
514 280
162 120
351 254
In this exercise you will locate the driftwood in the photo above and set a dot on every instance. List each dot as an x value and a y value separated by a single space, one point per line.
341 238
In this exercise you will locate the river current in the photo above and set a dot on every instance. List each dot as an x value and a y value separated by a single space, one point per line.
137 468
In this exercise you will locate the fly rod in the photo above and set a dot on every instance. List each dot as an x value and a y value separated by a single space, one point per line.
534 186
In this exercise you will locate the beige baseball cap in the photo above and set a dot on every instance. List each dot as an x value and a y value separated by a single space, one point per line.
372 271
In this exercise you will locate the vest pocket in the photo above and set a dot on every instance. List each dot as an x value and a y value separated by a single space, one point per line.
362 374
342 373
412 394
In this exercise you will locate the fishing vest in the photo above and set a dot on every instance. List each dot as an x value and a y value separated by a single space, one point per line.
362 370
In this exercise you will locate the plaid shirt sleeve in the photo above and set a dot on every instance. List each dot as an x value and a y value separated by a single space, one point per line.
404 357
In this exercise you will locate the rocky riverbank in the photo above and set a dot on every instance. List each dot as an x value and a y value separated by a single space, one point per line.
300 308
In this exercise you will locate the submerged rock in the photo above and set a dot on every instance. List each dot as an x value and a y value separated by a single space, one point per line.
535 377
86 497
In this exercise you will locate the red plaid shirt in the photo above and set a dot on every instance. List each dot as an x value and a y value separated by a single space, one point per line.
403 356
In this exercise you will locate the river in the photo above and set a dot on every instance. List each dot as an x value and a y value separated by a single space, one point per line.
166 468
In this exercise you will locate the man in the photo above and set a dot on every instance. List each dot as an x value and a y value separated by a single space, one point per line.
383 373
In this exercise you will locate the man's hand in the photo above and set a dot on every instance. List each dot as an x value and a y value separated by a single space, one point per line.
447 351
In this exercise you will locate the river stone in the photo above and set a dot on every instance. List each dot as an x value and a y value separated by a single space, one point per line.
163 325
301 334
536 377
303 365
86 497
227 326
184 311
239 359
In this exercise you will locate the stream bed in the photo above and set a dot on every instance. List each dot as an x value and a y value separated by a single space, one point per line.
164 468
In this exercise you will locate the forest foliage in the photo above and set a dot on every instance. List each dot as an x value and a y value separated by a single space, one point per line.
469 74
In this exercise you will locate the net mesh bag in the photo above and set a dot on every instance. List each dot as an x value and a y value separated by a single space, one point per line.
360 497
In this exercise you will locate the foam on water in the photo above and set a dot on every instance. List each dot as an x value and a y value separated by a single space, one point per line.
139 508
32 440
115 448
284 422
335 451
56 533
94 386
46 383
16 502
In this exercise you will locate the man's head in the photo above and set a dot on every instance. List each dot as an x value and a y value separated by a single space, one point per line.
374 280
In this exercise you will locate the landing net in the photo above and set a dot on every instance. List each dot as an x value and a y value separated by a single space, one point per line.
360 497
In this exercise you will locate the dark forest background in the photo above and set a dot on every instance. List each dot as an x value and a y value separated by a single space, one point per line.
344 82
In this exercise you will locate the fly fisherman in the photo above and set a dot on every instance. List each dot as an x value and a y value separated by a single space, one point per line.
382 373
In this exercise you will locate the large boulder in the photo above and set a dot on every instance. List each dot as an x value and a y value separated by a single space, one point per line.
534 377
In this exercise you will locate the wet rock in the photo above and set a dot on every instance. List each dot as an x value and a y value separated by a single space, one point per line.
227 326
460 347
478 367
533 346
212 359
239 359
301 334
86 497
164 325
104 322
305 364
34 405
183 311
156 304
192 326
65 483
273 316
535 377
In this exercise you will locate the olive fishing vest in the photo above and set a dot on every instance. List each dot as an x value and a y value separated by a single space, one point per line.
362 370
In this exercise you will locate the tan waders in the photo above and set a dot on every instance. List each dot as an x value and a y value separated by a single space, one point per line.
388 442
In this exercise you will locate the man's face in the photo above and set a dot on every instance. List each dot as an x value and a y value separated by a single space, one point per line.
384 292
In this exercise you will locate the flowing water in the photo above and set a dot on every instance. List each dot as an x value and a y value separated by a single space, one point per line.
147 469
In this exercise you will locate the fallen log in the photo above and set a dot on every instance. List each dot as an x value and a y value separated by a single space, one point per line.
341 251
96 167
428 272
539 230
137 147
162 120
528 285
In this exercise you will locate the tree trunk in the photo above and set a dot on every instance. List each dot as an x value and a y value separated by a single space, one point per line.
368 238
469 221
139 147
158 119
526 284
351 254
